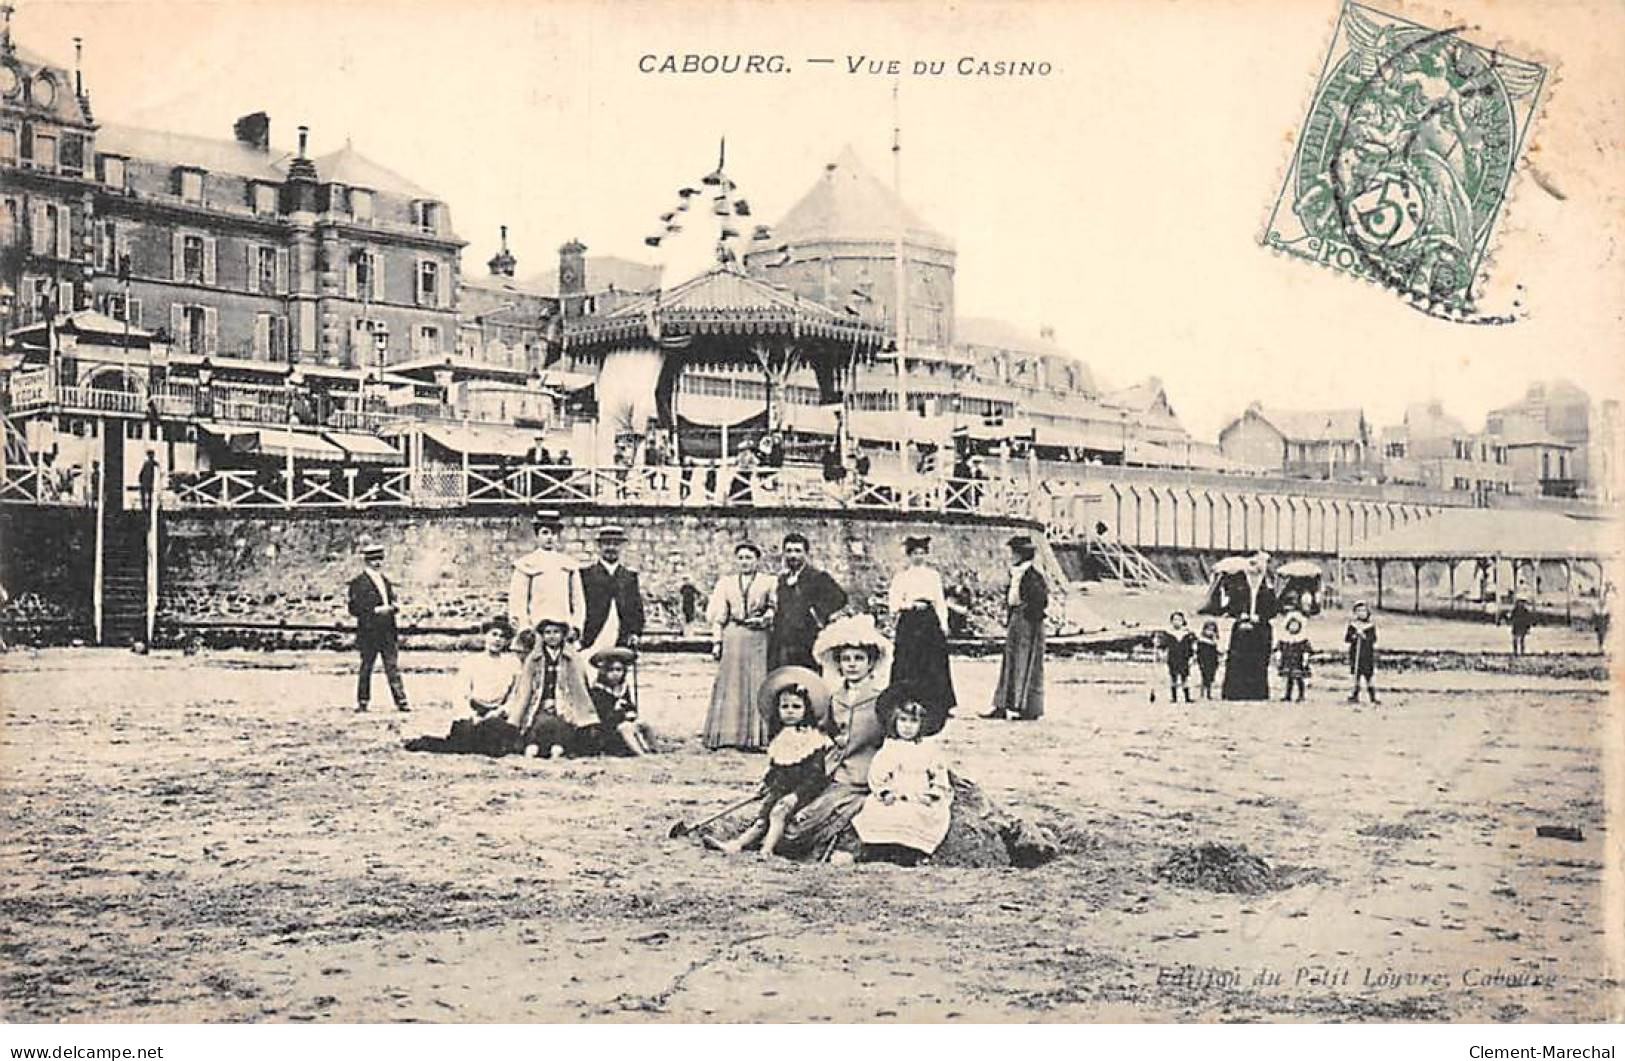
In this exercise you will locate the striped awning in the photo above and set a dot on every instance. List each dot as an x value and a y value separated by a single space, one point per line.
365 449
277 442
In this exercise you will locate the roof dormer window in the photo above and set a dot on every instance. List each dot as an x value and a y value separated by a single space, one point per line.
42 92
113 172
189 184
264 198
361 204
426 213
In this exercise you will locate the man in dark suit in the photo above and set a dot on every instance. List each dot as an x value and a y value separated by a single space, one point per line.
611 597
373 602
807 599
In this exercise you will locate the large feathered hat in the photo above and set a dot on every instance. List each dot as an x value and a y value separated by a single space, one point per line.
851 631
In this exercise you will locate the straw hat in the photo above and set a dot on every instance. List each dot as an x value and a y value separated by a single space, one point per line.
851 631
615 654
818 693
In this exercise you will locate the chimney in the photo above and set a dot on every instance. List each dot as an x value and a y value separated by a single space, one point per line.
503 262
255 131
573 278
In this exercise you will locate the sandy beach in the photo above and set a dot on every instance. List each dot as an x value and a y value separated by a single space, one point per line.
218 838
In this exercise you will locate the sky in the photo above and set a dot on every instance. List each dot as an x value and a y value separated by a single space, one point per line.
1119 199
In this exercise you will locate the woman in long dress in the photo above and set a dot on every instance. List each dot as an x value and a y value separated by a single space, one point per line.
1020 692
921 660
854 653
741 614
1249 599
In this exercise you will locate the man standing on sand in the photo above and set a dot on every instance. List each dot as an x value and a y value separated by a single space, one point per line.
545 581
373 602
807 600
612 600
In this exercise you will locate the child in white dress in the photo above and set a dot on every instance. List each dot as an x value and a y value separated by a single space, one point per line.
910 798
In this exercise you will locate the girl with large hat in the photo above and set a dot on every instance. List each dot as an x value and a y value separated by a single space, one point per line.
917 599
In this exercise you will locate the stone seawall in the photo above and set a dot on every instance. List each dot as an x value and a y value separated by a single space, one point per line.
277 579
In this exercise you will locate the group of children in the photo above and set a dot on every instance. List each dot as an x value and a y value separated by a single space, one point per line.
525 693
846 751
1180 647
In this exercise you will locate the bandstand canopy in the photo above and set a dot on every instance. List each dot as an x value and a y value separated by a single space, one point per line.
723 303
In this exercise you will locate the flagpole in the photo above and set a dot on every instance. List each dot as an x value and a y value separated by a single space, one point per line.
900 281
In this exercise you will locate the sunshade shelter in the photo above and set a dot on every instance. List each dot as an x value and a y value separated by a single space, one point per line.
1488 538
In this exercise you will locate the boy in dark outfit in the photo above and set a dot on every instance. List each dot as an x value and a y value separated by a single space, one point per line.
1361 637
1207 656
1178 645
621 732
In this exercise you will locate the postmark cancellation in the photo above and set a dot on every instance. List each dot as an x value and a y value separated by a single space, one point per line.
1405 156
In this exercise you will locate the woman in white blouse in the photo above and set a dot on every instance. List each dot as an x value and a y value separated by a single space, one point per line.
921 654
741 614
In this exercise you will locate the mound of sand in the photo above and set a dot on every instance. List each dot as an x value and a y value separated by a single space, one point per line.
1220 868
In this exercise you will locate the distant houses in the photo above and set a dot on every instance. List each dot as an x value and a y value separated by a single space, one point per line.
1553 442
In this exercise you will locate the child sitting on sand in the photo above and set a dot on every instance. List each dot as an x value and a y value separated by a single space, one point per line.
1361 637
796 758
1178 643
622 731
1207 656
1294 648
910 798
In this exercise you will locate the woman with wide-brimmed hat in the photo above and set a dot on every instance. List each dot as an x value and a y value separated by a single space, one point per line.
741 616
856 658
917 599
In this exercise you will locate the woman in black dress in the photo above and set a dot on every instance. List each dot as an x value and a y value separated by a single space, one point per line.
921 656
1248 598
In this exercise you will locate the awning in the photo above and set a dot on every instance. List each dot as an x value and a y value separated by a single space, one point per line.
1473 533
482 440
1105 438
276 442
365 449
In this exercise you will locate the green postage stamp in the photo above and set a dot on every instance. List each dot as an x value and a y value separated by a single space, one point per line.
1405 157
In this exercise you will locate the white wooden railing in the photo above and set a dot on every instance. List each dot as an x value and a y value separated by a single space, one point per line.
532 485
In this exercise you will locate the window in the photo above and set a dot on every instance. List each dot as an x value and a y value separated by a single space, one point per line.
45 152
8 146
270 337
360 204
194 336
115 307
1394 449
10 230
192 259
191 186
264 198
428 283
364 273
73 155
428 339
50 221
265 270
113 171
428 215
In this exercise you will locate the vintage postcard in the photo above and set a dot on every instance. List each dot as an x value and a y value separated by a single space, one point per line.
674 513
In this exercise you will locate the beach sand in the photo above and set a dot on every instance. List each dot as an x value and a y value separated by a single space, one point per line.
218 838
